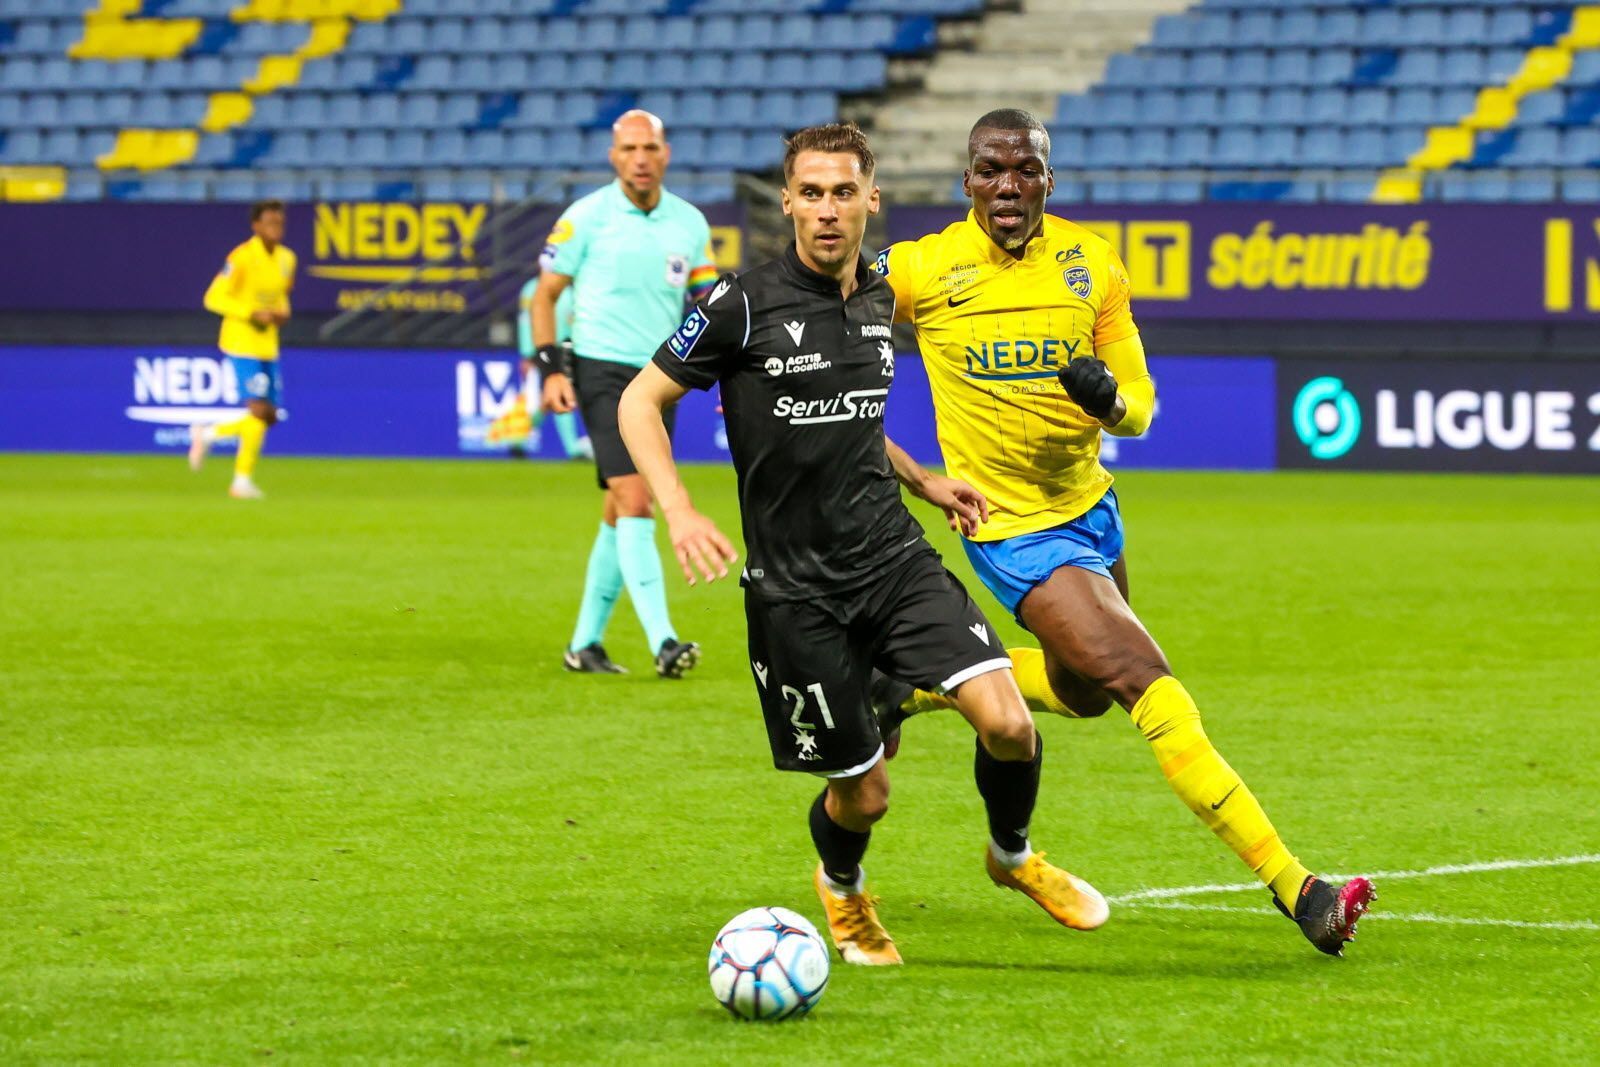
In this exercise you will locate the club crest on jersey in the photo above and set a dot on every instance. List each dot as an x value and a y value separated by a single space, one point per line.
686 336
677 270
881 264
1078 280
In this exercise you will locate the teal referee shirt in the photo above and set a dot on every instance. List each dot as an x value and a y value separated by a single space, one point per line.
632 270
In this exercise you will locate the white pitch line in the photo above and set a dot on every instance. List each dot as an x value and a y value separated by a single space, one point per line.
1423 917
1169 892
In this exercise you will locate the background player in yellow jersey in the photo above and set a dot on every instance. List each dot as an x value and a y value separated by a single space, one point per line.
1031 352
251 293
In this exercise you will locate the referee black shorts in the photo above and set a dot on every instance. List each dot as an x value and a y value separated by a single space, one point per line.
599 384
813 659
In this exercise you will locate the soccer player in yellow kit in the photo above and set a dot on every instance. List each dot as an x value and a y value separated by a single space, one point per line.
251 293
1031 352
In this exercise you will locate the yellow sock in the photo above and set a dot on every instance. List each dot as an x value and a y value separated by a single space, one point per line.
1034 681
1027 664
231 429
1169 720
251 435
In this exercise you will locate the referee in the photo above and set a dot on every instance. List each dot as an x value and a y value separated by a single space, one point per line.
839 579
633 253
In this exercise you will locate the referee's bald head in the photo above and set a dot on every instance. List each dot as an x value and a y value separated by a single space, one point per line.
636 120
1012 120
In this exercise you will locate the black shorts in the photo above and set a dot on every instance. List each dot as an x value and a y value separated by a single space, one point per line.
813 659
599 384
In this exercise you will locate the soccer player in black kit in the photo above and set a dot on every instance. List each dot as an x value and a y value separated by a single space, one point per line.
839 578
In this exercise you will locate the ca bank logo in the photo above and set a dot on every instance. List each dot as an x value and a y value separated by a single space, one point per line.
1326 418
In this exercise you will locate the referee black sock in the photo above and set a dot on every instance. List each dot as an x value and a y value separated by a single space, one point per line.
841 850
1009 791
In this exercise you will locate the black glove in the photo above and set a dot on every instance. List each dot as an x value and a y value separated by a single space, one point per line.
554 359
1090 384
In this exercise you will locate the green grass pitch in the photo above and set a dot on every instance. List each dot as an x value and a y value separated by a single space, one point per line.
303 780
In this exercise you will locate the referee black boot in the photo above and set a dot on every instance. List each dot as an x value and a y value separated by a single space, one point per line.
676 658
591 659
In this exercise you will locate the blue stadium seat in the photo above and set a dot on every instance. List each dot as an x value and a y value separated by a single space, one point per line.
1368 107
1280 146
1199 106
369 148
1157 107
1285 105
1191 147
1541 108
1508 25
1237 146
1241 106
1581 188
1463 66
1580 147
1150 148
1536 146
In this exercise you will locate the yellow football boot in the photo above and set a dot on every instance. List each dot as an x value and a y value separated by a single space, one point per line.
853 922
1069 900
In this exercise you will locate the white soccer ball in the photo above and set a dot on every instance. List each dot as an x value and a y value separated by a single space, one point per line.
768 963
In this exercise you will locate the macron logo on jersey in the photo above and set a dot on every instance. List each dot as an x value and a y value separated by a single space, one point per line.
684 338
796 331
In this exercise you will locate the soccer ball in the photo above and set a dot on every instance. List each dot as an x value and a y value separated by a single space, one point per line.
768 963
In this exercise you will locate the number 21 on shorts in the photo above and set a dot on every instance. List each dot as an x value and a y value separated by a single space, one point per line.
799 706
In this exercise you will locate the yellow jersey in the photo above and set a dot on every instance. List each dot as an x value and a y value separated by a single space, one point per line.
993 331
252 279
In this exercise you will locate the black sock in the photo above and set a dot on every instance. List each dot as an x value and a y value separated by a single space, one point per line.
841 850
1009 791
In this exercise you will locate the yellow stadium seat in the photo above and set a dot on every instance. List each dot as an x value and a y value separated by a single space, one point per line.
1398 187
227 110
1446 145
274 73
33 183
327 37
150 149
1542 68
1585 30
1495 110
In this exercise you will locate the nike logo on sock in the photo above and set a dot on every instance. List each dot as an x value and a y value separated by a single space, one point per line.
1226 795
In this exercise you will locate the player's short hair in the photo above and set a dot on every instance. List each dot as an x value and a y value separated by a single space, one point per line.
829 137
1008 118
261 207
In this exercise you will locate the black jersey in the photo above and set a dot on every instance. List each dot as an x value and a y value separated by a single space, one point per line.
805 375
